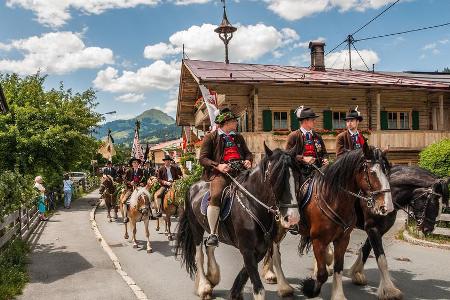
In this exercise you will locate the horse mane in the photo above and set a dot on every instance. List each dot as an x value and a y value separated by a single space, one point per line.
138 193
280 170
340 173
411 176
445 192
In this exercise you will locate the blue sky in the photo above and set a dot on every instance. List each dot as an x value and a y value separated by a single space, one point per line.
130 50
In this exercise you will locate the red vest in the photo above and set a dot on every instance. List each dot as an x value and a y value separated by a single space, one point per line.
309 146
231 151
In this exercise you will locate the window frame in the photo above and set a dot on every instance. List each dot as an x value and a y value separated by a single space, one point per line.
398 112
288 120
332 118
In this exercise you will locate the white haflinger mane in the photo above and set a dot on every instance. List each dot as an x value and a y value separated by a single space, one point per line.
136 194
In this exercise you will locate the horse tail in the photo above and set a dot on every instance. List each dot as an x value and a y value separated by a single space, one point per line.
185 246
305 245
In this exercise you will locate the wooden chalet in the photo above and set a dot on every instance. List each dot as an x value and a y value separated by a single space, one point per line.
406 114
3 105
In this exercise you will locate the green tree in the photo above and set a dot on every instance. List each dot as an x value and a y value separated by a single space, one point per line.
46 132
436 158
446 70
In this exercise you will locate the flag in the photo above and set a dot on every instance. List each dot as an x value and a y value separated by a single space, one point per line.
107 147
210 99
136 150
147 150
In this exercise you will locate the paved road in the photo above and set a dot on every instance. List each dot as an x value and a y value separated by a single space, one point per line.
425 276
67 261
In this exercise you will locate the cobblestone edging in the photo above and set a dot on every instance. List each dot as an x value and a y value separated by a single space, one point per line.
409 238
128 280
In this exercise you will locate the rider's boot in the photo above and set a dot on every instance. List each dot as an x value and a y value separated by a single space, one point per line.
158 213
212 214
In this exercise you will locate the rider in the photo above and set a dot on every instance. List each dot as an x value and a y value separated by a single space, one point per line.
219 148
148 170
350 139
110 170
166 175
308 146
133 178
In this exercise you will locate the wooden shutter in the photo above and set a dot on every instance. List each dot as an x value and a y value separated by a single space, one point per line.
294 121
267 120
415 120
328 120
384 120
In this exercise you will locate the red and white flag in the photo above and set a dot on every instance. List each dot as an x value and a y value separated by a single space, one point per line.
210 99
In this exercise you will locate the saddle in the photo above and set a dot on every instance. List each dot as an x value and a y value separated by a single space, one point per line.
226 203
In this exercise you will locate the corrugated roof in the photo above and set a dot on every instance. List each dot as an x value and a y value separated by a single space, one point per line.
238 72
168 144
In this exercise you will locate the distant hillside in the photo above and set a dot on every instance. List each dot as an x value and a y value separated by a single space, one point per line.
156 127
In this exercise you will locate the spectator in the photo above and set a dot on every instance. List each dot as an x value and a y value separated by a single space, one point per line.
42 208
68 187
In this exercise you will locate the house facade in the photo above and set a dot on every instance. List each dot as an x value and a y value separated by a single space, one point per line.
404 114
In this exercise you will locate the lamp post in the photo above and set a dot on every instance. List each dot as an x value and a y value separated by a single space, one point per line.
225 31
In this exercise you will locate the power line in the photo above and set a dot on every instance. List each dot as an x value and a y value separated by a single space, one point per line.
402 32
374 18
360 57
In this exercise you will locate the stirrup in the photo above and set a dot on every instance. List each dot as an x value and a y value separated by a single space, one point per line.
212 240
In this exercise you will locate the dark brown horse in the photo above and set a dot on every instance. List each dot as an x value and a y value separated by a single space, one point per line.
108 194
330 215
250 227
411 187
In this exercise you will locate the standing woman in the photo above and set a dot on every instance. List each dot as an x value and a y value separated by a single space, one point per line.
42 208
68 186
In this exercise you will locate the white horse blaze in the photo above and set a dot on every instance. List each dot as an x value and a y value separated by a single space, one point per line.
384 186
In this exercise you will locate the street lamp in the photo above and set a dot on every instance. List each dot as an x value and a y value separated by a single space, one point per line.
225 31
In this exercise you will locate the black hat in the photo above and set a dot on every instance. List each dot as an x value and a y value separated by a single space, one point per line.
224 115
353 114
303 113
167 157
134 159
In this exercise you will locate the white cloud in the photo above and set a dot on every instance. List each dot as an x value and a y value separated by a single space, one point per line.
170 107
157 76
430 46
187 2
296 9
306 44
54 52
131 98
339 60
444 41
55 13
249 43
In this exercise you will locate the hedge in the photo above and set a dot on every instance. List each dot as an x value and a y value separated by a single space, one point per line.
436 158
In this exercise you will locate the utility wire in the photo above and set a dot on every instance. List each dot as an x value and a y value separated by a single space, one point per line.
360 57
335 61
374 18
402 32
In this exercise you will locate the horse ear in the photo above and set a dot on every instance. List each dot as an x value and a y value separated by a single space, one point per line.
366 151
267 150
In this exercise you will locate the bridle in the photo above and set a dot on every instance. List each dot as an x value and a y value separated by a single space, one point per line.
422 215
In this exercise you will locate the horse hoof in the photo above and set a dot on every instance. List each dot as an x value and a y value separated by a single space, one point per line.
109 220
392 293
359 278
157 229
166 233
170 238
126 236
205 292
238 297
135 246
149 250
286 291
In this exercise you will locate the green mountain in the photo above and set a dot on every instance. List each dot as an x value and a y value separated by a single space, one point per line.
156 127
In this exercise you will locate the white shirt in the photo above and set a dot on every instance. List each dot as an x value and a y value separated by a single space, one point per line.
352 133
169 174
304 131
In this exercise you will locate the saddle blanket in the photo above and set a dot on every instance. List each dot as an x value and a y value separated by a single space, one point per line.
306 193
225 209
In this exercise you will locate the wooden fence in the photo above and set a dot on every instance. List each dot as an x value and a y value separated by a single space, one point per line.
19 224
444 218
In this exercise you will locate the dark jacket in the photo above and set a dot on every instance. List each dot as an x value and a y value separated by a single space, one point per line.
162 174
295 142
110 171
129 176
149 172
344 143
212 151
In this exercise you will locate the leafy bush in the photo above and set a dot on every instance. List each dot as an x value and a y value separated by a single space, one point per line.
15 191
182 186
13 275
436 158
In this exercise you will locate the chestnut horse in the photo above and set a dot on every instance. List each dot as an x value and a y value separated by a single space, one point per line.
170 208
107 192
330 215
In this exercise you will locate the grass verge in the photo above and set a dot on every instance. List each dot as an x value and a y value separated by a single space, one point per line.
440 239
13 274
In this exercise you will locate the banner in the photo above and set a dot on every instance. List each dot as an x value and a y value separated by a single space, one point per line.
107 147
210 99
136 150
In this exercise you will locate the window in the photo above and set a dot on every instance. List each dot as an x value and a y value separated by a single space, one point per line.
398 120
280 120
338 120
